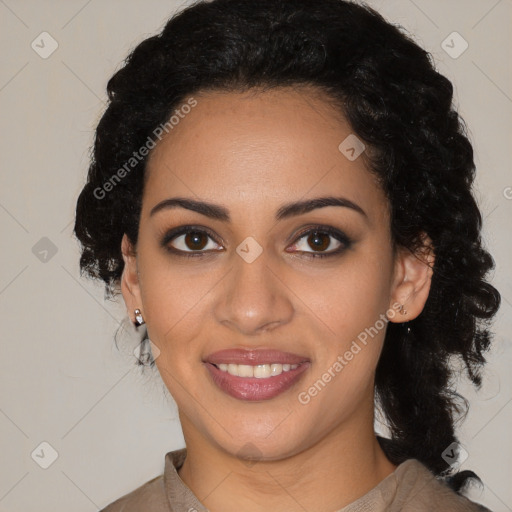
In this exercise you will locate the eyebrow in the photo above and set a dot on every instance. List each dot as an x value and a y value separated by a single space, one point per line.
218 212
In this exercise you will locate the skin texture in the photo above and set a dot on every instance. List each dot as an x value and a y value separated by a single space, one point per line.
252 152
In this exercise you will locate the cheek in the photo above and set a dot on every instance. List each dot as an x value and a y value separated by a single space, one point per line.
349 308
172 292
174 303
348 297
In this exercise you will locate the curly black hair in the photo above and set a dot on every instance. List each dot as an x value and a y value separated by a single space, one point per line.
388 89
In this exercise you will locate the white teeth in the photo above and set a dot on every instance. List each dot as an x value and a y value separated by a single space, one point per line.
276 369
233 369
260 371
245 370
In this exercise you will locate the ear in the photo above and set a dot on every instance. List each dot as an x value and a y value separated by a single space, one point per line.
411 281
130 286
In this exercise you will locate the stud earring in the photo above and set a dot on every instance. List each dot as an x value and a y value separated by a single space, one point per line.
402 310
138 318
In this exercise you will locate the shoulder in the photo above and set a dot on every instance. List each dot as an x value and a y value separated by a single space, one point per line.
149 496
419 490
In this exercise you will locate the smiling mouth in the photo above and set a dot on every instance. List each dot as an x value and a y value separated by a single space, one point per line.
257 374
258 382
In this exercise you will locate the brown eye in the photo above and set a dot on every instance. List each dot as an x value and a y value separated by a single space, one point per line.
321 242
195 240
188 241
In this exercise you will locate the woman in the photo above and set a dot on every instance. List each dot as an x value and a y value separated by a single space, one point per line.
281 191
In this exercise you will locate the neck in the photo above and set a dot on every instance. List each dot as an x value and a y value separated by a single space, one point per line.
325 477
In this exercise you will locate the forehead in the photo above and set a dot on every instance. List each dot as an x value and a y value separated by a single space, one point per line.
259 147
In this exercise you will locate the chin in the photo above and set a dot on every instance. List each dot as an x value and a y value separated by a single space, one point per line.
257 445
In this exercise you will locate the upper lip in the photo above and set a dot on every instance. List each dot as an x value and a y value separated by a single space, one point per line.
254 357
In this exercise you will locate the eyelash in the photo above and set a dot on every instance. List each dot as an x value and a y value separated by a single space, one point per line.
324 230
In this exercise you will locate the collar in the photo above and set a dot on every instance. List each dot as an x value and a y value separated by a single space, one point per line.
180 497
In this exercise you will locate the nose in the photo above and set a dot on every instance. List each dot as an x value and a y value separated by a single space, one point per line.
254 298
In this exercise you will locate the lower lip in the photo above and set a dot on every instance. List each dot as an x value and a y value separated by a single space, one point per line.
252 388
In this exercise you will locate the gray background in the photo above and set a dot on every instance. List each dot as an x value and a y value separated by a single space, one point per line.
63 381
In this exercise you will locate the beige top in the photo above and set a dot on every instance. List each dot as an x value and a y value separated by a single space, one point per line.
410 488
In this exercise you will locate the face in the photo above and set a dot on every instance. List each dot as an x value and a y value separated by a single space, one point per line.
260 308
